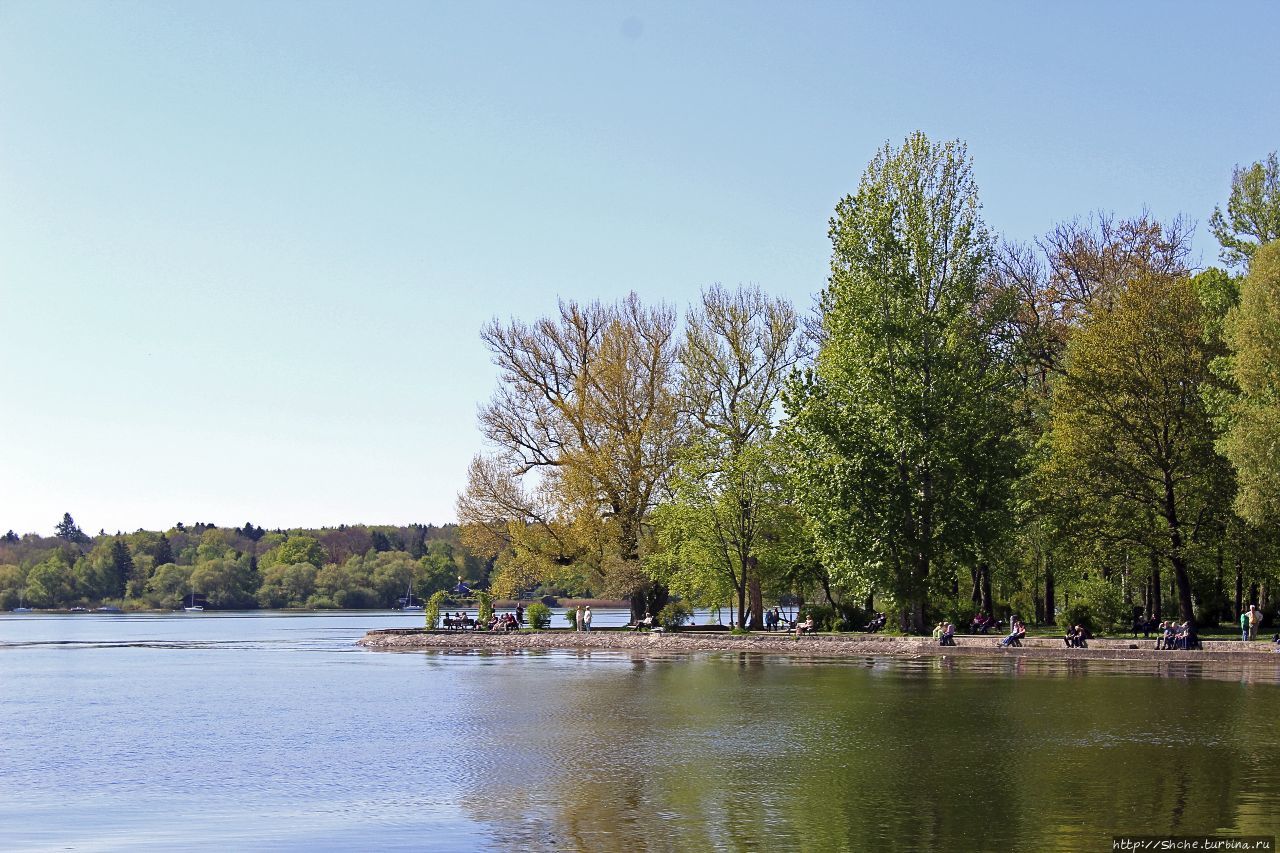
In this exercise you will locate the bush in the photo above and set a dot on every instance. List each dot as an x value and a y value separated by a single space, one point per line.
1101 604
838 617
571 616
674 615
539 616
432 610
484 608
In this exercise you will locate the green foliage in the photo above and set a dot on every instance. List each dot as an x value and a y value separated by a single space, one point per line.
1253 211
571 616
168 585
1131 438
68 531
432 610
675 614
1251 441
902 433
538 616
484 607
1098 605
49 582
299 549
287 585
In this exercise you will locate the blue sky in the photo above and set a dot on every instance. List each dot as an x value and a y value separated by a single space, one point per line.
246 248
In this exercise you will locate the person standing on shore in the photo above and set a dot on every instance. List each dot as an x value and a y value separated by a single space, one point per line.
1255 619
577 619
586 618
1244 626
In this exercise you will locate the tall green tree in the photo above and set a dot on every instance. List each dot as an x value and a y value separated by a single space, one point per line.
68 531
728 505
909 394
1132 437
121 566
1253 211
1252 440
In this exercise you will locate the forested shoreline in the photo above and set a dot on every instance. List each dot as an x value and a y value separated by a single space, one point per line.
347 567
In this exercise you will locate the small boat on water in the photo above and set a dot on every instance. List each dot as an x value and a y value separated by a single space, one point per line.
107 608
22 607
409 604
193 603
78 610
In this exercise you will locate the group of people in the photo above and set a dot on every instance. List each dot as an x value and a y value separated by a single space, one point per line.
982 623
1249 622
945 634
582 618
1076 637
774 620
877 622
459 621
506 621
1174 635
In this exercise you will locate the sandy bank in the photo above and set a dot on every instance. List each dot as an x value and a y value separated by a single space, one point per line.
826 645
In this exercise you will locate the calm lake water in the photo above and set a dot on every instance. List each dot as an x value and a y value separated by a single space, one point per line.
274 732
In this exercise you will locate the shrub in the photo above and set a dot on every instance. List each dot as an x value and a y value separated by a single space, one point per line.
1097 606
739 632
432 610
838 617
571 616
674 615
484 607
539 616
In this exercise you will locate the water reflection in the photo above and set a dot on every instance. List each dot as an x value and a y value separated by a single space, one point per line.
900 754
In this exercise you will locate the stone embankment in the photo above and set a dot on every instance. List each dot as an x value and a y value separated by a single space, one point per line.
821 645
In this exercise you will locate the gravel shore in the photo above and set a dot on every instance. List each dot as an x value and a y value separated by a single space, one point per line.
822 645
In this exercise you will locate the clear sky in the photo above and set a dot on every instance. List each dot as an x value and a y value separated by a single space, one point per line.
246 247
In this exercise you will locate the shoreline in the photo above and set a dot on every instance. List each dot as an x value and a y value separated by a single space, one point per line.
810 646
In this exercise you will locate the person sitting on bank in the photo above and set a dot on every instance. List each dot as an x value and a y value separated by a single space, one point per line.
937 631
805 627
948 637
1016 632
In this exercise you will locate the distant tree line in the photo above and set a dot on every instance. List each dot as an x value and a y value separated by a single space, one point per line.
1073 428
349 566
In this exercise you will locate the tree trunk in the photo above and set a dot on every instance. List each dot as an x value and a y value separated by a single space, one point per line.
757 600
1180 577
984 574
1050 605
1219 591
1156 609
1239 587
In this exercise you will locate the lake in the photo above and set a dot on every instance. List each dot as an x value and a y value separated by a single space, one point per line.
221 731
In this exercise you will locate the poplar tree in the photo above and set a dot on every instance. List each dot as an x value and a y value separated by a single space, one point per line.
902 429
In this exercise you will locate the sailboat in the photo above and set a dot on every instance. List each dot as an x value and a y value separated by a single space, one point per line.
194 606
409 604
21 608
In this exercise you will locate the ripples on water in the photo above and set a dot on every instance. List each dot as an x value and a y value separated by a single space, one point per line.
277 733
